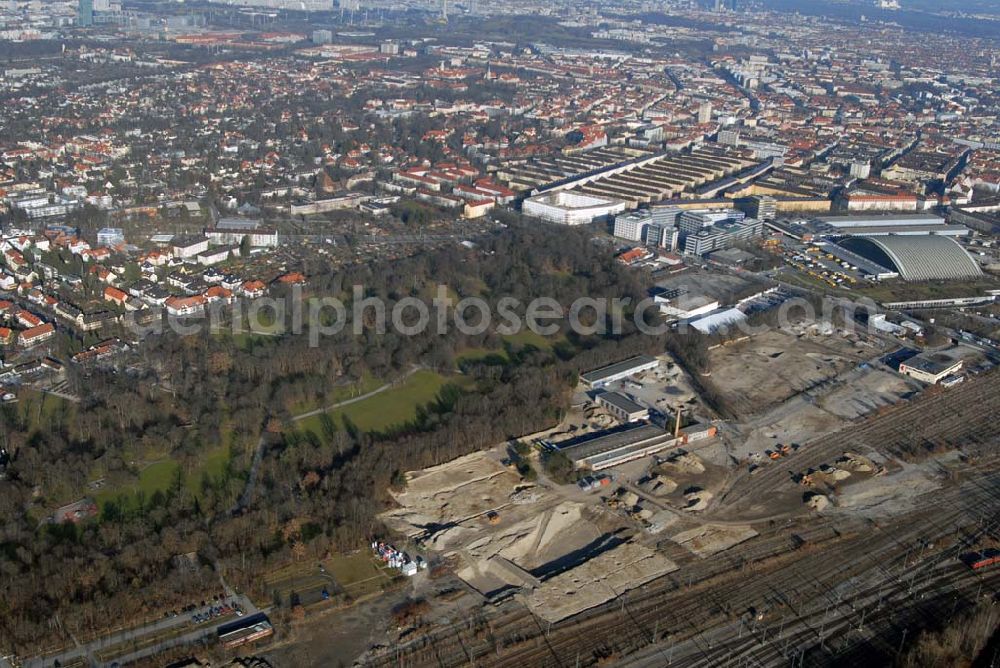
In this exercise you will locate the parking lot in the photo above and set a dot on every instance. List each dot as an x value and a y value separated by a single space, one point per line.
207 611
828 263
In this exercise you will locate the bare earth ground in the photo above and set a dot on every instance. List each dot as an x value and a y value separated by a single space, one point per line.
873 446
769 368
336 639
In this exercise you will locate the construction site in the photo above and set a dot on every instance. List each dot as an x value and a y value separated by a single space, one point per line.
762 372
823 524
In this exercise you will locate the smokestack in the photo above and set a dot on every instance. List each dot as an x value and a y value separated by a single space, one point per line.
677 423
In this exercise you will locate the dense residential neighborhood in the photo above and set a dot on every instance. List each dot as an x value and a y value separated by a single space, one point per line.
674 333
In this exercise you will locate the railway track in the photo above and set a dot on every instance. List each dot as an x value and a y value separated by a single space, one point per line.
693 617
818 579
960 416
870 611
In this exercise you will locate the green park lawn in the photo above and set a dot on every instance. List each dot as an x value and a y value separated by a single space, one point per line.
40 409
513 342
160 475
526 337
367 383
480 354
393 407
155 477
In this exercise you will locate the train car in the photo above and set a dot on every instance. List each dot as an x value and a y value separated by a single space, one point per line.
982 559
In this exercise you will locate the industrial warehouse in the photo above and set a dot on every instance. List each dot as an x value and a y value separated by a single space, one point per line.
931 368
597 452
916 258
611 186
622 407
914 224
609 374
616 447
571 208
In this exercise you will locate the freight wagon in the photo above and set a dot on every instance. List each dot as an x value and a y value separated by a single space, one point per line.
983 559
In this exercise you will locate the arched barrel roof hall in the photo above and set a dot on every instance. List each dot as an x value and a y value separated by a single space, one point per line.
916 258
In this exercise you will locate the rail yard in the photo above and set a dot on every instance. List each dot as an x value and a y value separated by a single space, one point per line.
756 576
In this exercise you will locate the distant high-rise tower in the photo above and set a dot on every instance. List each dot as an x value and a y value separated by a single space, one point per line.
85 13
705 113
444 10
718 5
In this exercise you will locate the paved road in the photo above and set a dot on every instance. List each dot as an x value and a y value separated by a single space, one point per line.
136 634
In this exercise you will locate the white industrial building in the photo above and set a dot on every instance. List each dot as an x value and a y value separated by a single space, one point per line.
679 304
662 236
654 227
706 324
930 368
722 235
215 255
570 208
898 220
912 224
620 371
692 222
